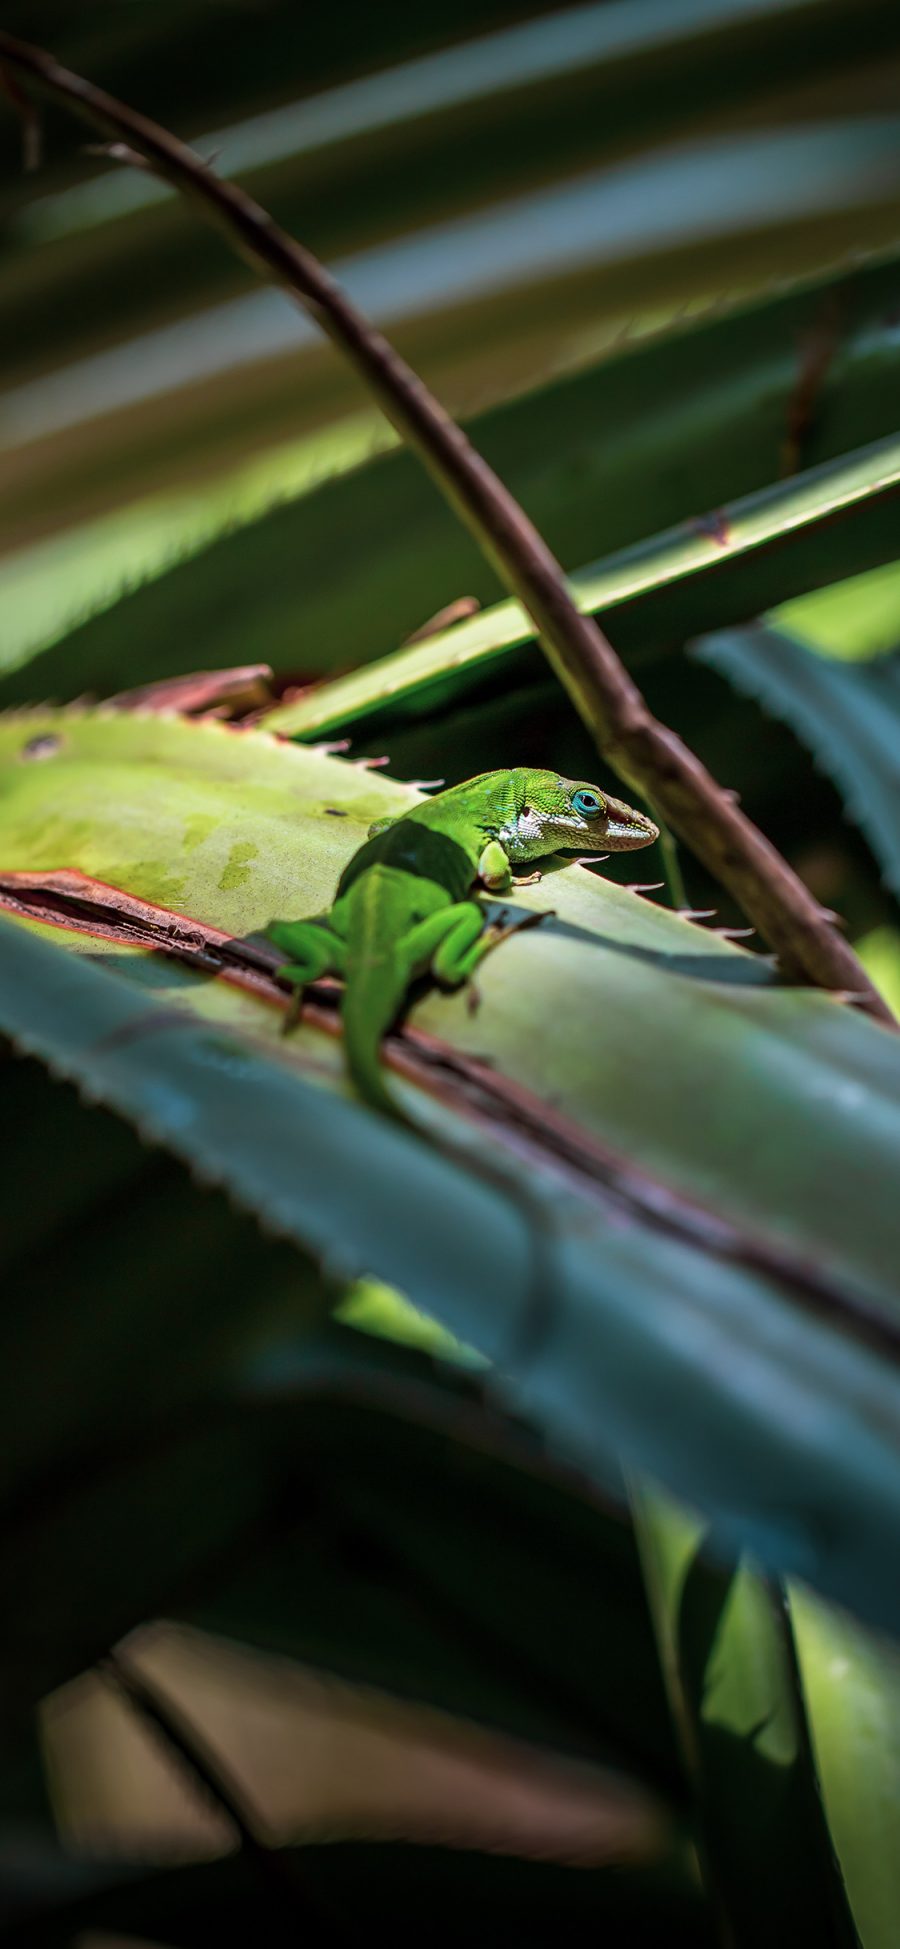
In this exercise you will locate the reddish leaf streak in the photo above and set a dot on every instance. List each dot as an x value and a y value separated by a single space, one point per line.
222 693
715 525
69 899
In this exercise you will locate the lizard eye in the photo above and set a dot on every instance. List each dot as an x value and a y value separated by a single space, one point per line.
587 802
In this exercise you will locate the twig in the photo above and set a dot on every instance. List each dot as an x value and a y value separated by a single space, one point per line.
29 119
649 756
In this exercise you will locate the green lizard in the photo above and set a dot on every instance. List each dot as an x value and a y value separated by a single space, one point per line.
404 905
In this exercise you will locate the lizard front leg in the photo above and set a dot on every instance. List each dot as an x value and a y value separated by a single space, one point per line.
494 870
314 949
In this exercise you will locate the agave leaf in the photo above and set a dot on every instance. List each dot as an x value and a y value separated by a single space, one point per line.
848 714
751 555
726 1650
89 1216
304 1454
682 222
51 587
248 1372
642 73
786 1432
247 828
853 620
601 459
852 1684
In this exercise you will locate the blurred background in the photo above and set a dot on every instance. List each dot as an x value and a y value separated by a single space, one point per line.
649 251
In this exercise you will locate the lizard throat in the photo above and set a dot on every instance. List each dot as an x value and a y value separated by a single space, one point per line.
525 836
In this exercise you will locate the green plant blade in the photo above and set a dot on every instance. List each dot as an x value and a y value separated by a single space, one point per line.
221 1359
601 459
409 232
852 1683
854 619
81 1199
235 827
333 1492
647 69
848 714
787 1440
764 1843
769 545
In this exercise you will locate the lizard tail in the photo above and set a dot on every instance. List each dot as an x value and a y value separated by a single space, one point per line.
370 1006
368 1012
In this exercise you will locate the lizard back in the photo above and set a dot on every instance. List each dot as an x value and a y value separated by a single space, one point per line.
410 846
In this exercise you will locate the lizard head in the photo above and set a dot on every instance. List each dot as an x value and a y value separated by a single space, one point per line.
557 813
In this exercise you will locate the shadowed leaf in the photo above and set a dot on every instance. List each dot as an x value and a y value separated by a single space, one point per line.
848 714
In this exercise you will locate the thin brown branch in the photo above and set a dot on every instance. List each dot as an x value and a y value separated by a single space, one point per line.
643 751
30 121
542 1137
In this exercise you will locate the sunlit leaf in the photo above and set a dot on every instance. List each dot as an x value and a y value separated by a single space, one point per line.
784 1429
852 1683
727 1653
857 618
880 956
750 555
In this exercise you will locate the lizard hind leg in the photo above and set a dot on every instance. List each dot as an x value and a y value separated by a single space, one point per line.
465 942
451 943
460 953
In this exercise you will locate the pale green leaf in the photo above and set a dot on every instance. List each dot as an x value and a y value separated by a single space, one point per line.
785 1431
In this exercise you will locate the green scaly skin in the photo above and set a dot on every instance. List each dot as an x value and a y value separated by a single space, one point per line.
405 904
